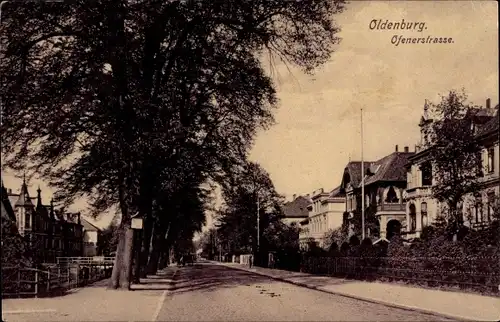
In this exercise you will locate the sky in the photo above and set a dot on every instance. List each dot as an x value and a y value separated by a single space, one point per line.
318 123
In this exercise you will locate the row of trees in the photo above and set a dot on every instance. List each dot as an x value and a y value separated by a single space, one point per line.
250 219
137 105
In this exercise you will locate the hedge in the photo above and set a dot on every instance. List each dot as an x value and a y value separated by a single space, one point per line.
471 263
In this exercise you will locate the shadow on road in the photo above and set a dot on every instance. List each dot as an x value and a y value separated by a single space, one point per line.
207 277
202 277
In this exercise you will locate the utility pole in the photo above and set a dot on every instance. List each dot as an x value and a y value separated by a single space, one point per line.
362 181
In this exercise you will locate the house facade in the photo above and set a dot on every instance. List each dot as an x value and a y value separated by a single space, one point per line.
90 238
49 232
351 187
478 209
421 208
384 184
326 209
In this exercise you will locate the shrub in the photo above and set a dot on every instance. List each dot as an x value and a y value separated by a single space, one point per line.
344 249
333 249
354 241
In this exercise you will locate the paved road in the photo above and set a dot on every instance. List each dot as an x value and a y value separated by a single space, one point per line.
207 292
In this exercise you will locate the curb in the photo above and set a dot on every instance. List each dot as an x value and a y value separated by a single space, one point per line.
360 298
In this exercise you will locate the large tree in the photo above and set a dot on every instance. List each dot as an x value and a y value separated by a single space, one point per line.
250 201
94 95
454 152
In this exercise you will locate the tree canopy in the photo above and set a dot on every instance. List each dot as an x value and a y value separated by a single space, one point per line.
127 102
454 151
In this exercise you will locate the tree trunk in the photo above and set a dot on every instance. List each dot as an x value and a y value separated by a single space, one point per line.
153 263
145 246
122 268
157 237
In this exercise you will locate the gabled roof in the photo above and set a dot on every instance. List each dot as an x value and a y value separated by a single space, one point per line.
389 168
88 226
296 208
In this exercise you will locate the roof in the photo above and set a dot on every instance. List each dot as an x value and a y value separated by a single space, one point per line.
482 113
337 193
88 226
491 126
389 168
353 169
296 208
24 197
6 205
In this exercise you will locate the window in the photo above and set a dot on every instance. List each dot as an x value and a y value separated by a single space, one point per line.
27 219
413 218
479 210
491 204
391 196
491 160
423 212
426 170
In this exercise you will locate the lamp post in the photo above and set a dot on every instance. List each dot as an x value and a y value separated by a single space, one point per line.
137 226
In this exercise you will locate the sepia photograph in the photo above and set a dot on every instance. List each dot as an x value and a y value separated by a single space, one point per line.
250 160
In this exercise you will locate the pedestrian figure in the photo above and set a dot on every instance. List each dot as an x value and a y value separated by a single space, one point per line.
250 261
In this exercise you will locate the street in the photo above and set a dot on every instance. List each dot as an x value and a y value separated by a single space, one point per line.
208 292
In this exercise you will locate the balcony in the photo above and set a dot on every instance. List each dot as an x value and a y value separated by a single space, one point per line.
392 207
480 225
418 192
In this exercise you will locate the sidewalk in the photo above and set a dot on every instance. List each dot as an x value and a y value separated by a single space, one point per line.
95 303
455 305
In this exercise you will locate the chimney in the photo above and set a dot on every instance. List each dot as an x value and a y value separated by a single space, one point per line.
407 149
396 148
488 103
294 196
